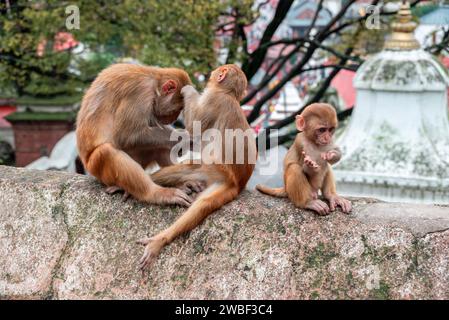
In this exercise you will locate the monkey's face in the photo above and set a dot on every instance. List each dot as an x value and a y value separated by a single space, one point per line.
231 78
323 134
318 122
317 130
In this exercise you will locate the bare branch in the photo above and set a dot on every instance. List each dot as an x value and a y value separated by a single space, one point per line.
258 15
336 53
361 19
223 25
321 36
442 46
315 17
266 80
257 57
318 95
293 73
342 115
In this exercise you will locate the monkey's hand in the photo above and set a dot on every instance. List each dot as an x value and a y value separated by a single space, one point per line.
188 91
318 206
153 247
331 156
310 163
335 200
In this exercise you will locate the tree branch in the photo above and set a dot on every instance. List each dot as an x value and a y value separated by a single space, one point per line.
318 95
258 15
267 78
442 46
257 57
321 36
360 19
293 73
342 115
315 18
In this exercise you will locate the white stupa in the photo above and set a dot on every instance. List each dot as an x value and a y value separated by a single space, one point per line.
396 146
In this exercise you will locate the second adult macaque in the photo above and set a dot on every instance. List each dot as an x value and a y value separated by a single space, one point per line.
121 128
307 165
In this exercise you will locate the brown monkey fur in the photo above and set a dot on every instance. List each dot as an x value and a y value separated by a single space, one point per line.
307 165
121 128
218 107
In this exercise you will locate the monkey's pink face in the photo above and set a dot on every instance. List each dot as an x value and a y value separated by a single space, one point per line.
323 135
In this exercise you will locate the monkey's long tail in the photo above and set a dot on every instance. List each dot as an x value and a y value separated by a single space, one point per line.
214 197
275 192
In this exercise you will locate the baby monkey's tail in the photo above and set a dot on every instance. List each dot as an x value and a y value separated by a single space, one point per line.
275 192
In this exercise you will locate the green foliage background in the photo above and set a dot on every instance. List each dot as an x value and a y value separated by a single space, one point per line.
178 33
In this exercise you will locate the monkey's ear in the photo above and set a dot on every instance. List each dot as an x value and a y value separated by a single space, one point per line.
222 74
300 123
169 87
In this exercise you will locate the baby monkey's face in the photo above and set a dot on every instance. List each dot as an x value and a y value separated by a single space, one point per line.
324 134
318 122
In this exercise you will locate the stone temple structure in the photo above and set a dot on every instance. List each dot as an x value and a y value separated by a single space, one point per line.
396 146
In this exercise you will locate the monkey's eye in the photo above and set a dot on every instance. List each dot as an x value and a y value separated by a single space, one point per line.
322 130
332 129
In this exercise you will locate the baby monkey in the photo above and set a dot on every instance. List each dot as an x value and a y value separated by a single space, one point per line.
307 165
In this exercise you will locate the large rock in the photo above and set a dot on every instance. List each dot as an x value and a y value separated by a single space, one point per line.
62 237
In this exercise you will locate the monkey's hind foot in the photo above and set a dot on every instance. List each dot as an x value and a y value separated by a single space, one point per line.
337 201
171 196
114 189
318 206
193 186
152 249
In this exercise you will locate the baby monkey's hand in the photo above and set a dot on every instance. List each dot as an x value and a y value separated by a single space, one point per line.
310 163
330 156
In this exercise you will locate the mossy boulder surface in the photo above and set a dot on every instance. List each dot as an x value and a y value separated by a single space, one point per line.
63 237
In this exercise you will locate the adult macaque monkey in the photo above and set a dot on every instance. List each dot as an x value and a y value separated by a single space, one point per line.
217 108
121 128
307 165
